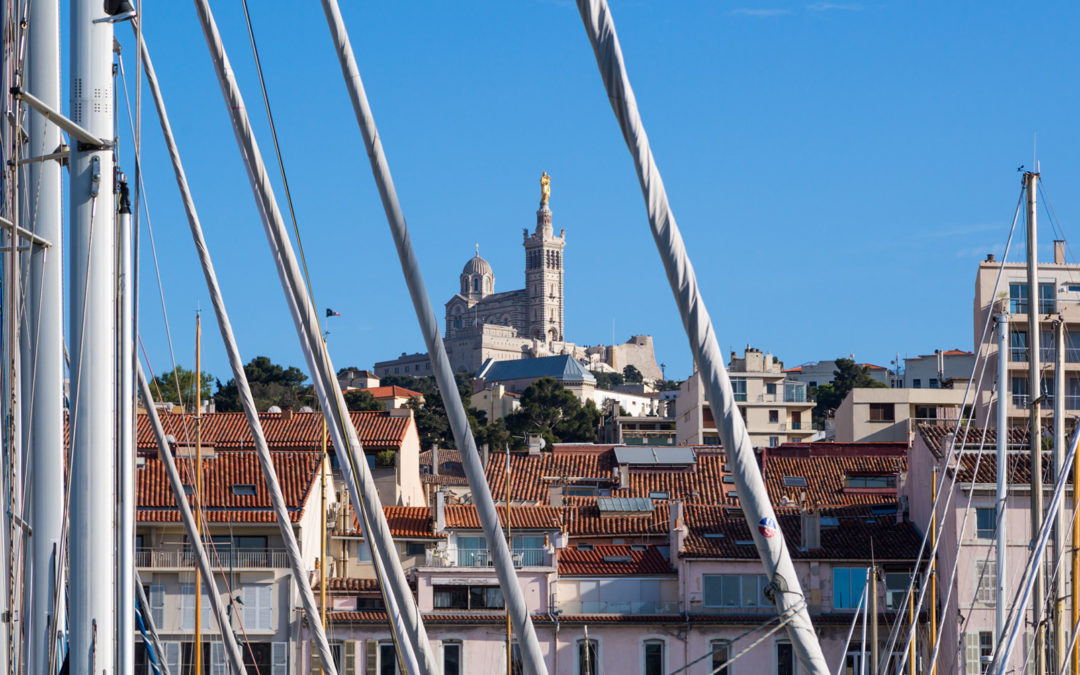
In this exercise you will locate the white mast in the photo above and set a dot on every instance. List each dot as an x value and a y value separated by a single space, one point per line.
1038 599
44 346
125 547
1061 632
1002 470
92 599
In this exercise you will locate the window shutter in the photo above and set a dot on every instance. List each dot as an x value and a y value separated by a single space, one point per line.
348 658
217 659
157 604
266 614
971 654
1029 666
172 656
279 662
187 607
316 660
371 656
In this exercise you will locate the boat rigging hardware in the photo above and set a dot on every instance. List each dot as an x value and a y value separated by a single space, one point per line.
87 140
95 176
22 524
24 233
61 153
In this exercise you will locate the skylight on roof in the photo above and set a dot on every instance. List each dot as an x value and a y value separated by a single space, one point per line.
584 547
729 479
618 559
744 542
714 535
243 490
612 505
794 481
658 495
830 521
638 547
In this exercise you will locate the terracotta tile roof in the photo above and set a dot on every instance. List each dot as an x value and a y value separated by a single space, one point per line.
612 560
435 618
229 430
297 472
956 352
410 522
533 475
343 584
450 470
1019 467
586 521
464 517
824 467
392 391
972 437
850 540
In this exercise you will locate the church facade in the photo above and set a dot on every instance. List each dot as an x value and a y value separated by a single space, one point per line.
528 322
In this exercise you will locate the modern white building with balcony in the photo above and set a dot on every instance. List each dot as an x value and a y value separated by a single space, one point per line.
776 409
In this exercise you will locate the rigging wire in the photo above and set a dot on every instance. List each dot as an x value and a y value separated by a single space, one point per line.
947 460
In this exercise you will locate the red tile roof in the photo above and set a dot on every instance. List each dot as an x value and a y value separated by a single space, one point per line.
825 469
410 522
450 469
392 391
464 517
377 430
612 560
350 584
296 470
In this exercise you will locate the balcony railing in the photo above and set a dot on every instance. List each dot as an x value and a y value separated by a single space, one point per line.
522 557
620 607
154 558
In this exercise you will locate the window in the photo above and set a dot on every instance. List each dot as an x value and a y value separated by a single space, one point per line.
978 652
187 607
870 481
582 546
853 660
467 597
1072 347
986 646
156 596
1019 391
1046 299
986 581
916 383
243 490
387 659
770 388
896 585
785 659
721 653
472 552
658 495
774 416
654 657
738 387
735 590
774 441
796 420
279 658
517 664
451 658
794 481
1018 298
882 412
588 653
934 383
848 584
985 522
257 612
415 548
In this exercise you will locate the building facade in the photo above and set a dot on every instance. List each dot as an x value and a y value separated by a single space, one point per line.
775 408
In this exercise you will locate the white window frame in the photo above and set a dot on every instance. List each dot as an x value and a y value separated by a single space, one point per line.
985 585
460 644
776 657
726 646
258 605
156 598
598 667
651 639
279 658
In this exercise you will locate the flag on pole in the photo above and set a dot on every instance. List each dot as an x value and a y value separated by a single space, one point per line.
330 312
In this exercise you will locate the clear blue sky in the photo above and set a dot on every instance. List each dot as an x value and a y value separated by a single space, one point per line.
837 169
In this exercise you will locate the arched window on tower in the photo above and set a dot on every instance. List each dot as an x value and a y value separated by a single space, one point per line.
476 284
464 285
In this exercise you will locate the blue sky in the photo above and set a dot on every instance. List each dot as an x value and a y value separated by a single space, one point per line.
837 169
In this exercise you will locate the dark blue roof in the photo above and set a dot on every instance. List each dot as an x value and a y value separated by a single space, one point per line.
564 368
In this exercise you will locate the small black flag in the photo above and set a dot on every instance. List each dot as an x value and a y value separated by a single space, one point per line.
330 312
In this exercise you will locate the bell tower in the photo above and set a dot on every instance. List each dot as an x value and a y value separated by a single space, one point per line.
544 273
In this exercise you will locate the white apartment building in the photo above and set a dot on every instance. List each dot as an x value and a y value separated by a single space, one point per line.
943 368
1058 299
775 408
872 415
817 373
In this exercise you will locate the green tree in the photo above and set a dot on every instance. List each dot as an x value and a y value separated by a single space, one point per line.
632 375
362 399
607 380
551 410
271 384
668 385
165 386
847 376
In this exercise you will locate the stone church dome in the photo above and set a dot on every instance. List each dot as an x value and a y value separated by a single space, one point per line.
477 265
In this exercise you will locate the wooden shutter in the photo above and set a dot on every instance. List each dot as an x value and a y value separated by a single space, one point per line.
173 656
266 611
348 657
371 656
316 660
157 604
279 658
971 654
217 659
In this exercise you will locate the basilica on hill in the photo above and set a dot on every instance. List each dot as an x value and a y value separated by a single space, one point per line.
483 324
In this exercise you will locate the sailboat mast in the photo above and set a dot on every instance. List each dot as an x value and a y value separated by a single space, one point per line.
1038 598
125 549
1002 472
92 599
198 488
44 346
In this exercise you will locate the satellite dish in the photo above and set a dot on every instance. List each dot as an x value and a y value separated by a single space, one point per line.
274 409
306 408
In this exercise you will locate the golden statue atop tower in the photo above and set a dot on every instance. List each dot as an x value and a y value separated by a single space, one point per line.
545 188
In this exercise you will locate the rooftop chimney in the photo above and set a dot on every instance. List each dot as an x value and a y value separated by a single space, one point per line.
810 521
485 453
439 517
676 528
1059 251
555 495
989 257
